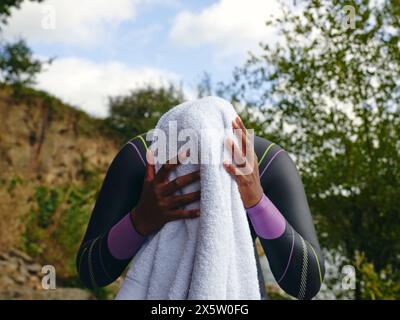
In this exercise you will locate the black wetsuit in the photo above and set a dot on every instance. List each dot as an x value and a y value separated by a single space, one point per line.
295 257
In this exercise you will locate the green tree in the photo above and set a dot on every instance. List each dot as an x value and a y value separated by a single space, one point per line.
139 111
18 67
329 93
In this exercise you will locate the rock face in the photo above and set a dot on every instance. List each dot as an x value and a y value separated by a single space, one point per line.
21 278
43 141
44 144
51 159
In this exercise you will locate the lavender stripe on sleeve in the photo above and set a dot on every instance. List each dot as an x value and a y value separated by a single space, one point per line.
266 219
123 240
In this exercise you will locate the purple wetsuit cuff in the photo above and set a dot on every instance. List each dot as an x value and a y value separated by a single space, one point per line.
266 219
123 240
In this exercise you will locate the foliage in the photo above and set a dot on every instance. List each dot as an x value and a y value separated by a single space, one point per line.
330 95
48 201
377 285
139 111
57 222
18 67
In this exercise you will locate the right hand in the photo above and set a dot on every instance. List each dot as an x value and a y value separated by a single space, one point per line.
158 204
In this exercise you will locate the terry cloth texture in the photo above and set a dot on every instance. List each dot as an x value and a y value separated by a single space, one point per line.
210 257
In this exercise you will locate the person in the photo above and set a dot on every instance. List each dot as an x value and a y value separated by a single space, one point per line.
134 202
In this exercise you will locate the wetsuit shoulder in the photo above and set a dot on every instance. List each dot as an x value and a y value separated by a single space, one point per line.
266 151
140 144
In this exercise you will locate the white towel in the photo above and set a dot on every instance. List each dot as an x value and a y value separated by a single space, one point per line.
210 257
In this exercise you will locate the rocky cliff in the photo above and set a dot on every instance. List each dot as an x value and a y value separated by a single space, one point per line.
52 160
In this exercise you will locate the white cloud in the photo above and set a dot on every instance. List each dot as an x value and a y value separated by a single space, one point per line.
233 25
87 84
83 22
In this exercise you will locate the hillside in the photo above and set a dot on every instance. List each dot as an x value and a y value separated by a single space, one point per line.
52 160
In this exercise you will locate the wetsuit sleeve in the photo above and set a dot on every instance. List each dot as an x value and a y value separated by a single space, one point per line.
283 223
110 240
123 240
268 222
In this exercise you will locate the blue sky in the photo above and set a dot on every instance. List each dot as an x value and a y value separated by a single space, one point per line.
105 48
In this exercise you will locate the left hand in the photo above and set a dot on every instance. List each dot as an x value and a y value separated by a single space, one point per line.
248 180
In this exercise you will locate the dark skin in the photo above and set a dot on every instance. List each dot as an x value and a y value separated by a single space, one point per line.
158 204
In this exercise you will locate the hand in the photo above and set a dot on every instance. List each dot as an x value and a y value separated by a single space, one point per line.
248 180
157 204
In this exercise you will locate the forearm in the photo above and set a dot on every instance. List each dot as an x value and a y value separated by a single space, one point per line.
266 219
294 262
123 239
102 260
110 241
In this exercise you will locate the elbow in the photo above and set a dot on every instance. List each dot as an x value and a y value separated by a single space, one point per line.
305 283
316 280
82 270
85 276
91 280
312 290
88 281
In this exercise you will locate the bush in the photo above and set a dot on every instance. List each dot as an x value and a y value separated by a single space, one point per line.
140 110
383 285
18 67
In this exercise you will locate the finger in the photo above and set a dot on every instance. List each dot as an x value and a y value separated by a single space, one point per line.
247 144
237 156
150 168
242 170
244 136
230 168
180 182
241 124
183 214
240 134
182 200
171 164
